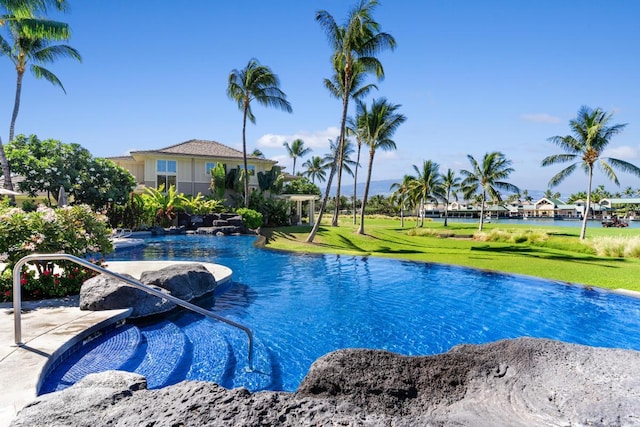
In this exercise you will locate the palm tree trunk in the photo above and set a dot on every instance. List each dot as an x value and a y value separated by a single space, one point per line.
366 192
402 215
6 170
16 105
244 156
323 206
343 124
484 197
587 208
446 211
355 183
294 166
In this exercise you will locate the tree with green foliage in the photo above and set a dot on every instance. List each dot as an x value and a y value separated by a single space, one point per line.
257 153
257 83
549 194
296 150
218 181
50 164
345 157
450 188
378 123
315 169
353 130
426 185
301 186
162 205
354 46
271 181
22 13
401 195
486 178
591 133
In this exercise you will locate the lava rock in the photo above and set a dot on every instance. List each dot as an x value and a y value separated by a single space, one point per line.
104 292
519 382
184 281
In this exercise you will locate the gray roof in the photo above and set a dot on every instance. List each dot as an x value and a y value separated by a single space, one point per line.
618 201
200 148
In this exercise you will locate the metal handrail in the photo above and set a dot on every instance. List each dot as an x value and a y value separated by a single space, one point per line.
17 321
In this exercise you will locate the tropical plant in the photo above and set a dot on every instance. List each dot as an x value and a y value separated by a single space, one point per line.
486 178
162 204
549 194
295 150
353 130
199 204
24 11
315 169
378 123
427 185
401 195
354 45
218 181
345 157
271 180
591 133
301 186
257 153
450 188
257 83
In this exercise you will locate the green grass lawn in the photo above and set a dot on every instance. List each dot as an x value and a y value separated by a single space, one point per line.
561 257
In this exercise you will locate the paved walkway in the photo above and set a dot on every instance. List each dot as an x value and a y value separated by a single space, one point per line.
49 329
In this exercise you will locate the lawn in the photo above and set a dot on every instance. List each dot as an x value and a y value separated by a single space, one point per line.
560 257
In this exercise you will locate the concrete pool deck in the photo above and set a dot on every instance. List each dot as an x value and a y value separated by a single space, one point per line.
52 327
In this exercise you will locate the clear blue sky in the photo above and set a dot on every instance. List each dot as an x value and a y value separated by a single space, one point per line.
471 76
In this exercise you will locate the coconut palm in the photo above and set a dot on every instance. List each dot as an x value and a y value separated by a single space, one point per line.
295 150
450 187
257 153
31 51
486 178
426 185
378 123
258 83
315 169
336 86
21 13
355 45
401 195
347 151
591 133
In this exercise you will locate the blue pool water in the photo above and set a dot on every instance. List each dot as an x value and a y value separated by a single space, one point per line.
301 307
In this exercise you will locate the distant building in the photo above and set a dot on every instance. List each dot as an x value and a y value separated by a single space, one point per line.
187 165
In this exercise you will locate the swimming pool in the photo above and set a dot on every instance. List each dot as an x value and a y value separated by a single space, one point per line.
301 307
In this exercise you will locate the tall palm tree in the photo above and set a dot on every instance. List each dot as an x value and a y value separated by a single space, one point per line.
427 185
486 179
22 13
401 195
591 133
379 123
257 153
258 83
32 51
347 151
450 187
315 169
295 150
358 90
355 45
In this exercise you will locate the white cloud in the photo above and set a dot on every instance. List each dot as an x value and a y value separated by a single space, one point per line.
624 152
540 118
314 140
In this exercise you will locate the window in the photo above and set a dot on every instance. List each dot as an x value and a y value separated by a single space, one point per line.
166 173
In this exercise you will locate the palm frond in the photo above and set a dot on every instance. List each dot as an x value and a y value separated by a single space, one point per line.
560 176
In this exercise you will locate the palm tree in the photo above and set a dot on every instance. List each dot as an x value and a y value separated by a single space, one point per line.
296 150
254 82
315 169
347 151
354 48
450 187
257 153
591 134
486 179
427 185
526 196
31 50
22 13
379 123
401 195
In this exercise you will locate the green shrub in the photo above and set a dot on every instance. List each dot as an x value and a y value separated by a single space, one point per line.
251 218
74 230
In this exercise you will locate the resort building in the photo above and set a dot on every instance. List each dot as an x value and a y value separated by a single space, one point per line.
187 165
